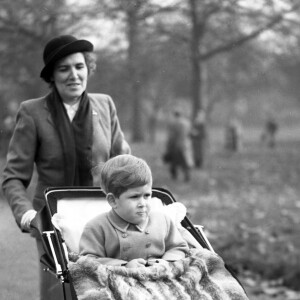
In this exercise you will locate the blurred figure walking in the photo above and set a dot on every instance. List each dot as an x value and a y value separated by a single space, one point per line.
233 136
198 136
178 148
268 136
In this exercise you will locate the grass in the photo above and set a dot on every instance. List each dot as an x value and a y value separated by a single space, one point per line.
248 202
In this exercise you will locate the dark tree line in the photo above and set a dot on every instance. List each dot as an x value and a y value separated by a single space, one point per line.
182 51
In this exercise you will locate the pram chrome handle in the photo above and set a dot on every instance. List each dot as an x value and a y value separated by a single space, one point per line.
200 229
58 268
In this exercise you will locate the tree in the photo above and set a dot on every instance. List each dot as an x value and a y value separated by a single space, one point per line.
217 27
134 14
234 25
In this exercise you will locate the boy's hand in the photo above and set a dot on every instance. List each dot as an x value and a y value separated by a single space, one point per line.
152 262
136 263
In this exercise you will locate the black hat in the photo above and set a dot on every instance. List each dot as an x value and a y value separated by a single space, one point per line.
59 47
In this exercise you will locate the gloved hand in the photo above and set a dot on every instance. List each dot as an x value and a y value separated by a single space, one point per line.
26 220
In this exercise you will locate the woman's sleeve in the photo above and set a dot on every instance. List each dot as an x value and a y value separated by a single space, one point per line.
18 171
118 143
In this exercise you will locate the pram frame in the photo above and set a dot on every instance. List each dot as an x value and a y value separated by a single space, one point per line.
55 258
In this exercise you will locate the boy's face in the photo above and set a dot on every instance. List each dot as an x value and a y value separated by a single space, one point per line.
133 205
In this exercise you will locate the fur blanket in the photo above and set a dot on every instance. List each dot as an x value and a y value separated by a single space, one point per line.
201 275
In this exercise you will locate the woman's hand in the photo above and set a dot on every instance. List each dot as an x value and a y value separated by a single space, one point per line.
136 263
27 219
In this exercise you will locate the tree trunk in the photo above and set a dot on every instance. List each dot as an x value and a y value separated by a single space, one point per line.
134 78
199 144
195 60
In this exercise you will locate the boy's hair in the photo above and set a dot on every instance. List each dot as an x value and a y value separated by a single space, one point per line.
123 172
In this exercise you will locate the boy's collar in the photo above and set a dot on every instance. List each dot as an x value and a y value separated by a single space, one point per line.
120 223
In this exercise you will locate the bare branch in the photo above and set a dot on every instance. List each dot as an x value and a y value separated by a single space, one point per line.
236 42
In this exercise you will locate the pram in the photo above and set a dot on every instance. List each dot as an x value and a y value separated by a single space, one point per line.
87 201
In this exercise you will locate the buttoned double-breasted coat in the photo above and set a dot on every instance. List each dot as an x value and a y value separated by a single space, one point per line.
116 241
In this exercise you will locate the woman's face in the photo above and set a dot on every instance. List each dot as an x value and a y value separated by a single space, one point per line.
70 77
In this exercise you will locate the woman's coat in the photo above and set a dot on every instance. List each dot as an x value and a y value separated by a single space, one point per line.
35 142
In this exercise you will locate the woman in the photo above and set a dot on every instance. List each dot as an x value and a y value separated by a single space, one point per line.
66 134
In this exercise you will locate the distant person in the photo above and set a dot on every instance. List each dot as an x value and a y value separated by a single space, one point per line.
6 132
198 136
153 118
269 133
233 136
7 125
130 234
65 133
178 153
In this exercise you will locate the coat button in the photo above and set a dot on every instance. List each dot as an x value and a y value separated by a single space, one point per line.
124 235
148 245
147 231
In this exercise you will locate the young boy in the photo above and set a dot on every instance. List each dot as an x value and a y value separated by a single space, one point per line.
130 234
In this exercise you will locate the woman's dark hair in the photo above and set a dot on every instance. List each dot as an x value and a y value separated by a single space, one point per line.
90 60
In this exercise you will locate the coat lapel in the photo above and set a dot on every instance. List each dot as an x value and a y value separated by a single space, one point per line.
49 117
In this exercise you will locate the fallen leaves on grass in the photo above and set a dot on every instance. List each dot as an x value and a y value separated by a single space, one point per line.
275 289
